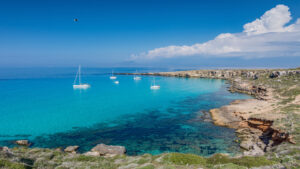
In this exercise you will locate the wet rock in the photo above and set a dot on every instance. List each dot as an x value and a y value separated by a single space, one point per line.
108 150
23 143
71 149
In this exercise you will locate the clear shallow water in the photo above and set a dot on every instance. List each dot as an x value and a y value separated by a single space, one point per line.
44 108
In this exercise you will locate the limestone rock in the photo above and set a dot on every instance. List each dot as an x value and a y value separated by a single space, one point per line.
5 152
255 151
108 150
71 149
23 142
247 145
92 153
276 74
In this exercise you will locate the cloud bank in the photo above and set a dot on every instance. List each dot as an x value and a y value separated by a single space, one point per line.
271 35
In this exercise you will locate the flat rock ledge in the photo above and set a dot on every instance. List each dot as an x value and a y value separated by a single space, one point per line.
71 149
106 150
23 143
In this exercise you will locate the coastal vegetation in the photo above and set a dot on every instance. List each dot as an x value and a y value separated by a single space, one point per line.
26 158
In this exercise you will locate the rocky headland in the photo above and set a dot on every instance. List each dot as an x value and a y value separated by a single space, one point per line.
266 124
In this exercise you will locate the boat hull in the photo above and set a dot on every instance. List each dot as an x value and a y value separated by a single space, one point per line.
155 87
81 86
137 78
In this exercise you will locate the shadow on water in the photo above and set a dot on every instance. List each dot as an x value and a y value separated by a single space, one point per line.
179 128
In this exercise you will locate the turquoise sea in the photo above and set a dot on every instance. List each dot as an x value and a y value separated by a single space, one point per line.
40 105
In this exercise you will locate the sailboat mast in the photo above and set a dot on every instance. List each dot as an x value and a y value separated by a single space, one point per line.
79 74
74 83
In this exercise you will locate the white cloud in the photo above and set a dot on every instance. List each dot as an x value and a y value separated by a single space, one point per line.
273 20
265 37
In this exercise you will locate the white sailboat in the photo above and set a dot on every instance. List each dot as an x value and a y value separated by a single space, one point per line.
136 77
79 85
154 86
112 77
116 82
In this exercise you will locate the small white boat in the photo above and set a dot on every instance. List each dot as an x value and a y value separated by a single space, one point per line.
116 82
112 77
80 85
135 77
154 86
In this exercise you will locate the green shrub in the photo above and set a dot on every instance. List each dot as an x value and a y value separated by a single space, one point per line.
12 165
243 161
85 158
148 167
228 166
218 159
184 159
143 161
252 161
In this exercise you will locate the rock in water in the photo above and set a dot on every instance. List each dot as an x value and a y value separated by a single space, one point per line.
107 150
71 149
23 142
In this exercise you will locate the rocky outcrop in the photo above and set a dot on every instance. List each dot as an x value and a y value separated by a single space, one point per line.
269 133
251 142
5 152
260 92
92 153
258 136
71 149
23 143
106 150
275 74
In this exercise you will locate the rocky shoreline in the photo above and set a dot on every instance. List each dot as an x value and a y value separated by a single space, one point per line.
252 118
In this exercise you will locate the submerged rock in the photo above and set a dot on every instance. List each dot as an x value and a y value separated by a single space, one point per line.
107 150
71 149
23 143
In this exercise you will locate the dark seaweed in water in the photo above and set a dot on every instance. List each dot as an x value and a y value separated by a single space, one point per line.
179 128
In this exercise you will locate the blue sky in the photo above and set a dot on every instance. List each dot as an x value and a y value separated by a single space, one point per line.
115 33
